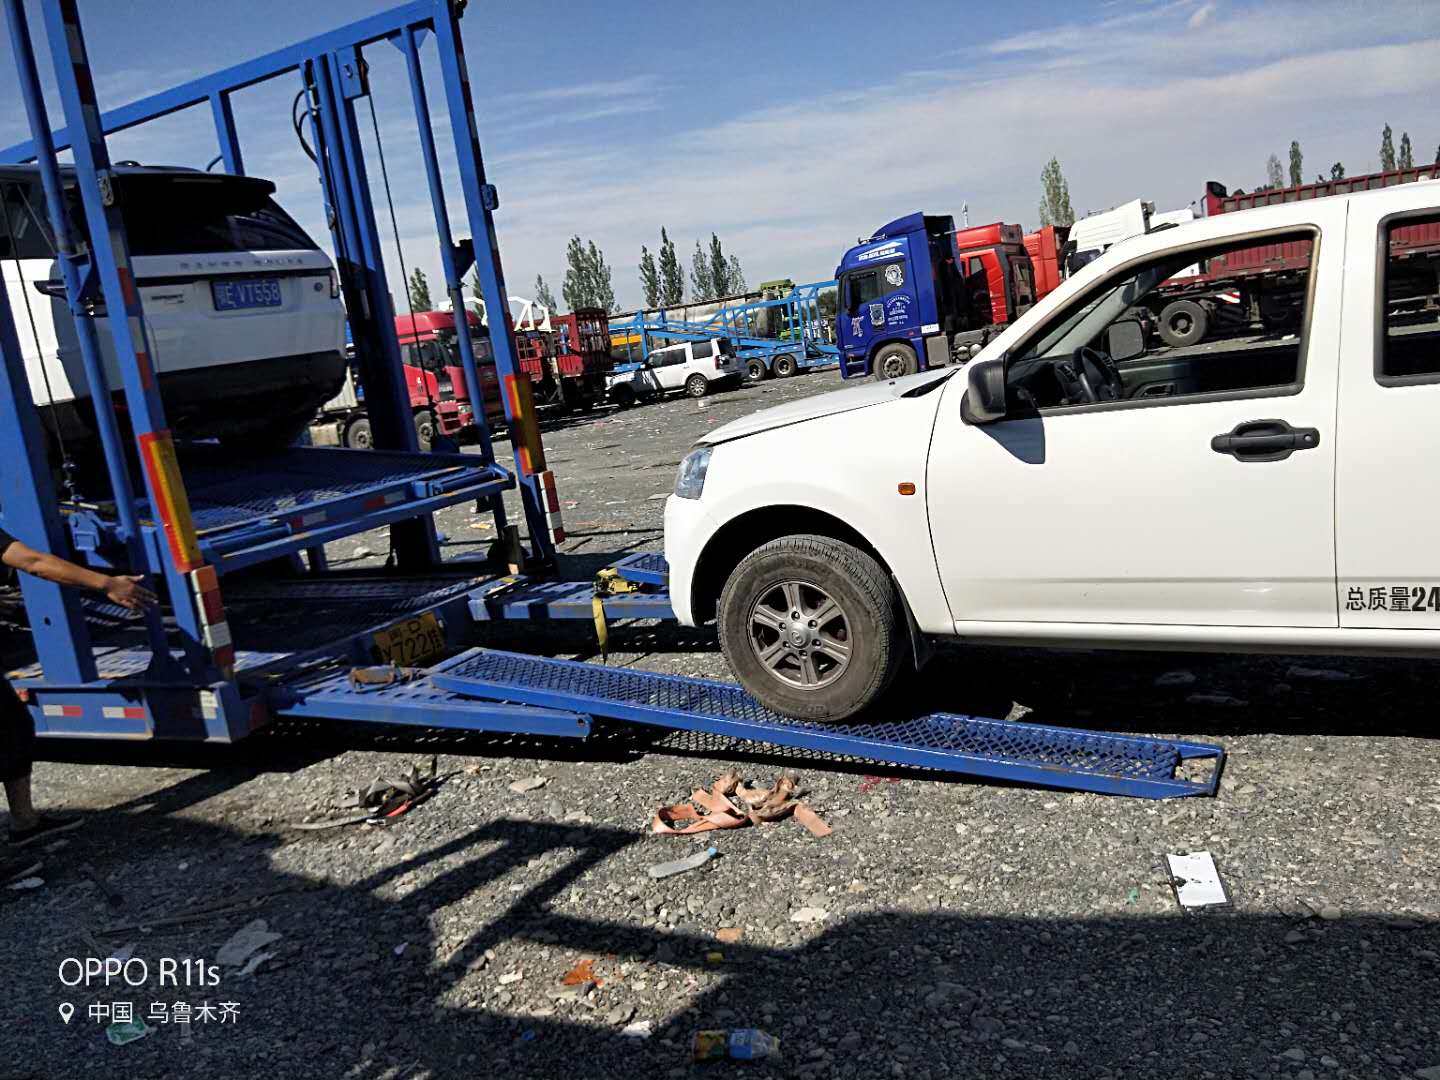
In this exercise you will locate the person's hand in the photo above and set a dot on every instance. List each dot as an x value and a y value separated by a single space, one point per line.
128 593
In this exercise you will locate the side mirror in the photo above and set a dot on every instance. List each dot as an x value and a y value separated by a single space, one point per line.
984 400
1125 340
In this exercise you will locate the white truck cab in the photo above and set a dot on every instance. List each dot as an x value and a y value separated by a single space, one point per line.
692 367
1078 484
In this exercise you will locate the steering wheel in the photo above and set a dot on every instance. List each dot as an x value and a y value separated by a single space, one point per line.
1096 376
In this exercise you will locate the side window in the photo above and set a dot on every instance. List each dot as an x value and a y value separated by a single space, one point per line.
863 288
1164 331
22 236
1409 346
703 350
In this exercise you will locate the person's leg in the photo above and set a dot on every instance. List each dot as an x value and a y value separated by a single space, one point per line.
17 757
17 746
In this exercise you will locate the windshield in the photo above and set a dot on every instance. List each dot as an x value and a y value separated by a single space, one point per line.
200 215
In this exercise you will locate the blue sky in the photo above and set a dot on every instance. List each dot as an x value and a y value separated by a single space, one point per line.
792 129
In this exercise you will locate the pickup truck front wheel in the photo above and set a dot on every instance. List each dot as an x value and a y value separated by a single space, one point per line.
812 627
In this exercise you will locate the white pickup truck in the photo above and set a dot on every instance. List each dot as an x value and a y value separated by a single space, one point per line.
1078 485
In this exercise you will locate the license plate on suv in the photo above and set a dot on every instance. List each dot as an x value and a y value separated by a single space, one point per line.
246 293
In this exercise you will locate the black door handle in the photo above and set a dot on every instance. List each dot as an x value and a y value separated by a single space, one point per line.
1265 440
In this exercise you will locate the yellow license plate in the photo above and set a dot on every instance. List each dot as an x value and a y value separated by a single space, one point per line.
412 641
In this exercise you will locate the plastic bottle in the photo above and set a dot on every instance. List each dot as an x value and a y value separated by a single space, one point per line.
679 866
742 1044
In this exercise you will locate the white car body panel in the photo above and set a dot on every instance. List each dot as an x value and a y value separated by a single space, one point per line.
1122 526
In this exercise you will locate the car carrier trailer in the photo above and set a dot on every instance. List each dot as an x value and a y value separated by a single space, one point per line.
228 654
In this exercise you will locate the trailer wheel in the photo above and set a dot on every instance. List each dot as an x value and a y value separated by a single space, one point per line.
756 371
424 428
812 627
1183 322
785 366
697 386
895 361
357 435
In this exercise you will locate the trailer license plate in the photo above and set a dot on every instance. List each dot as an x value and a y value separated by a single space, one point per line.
246 293
411 641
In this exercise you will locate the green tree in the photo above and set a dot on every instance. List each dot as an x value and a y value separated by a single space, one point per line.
672 277
719 269
1407 153
419 291
1055 196
737 276
576 287
544 296
1274 174
1337 171
1297 164
602 280
702 283
1387 150
649 278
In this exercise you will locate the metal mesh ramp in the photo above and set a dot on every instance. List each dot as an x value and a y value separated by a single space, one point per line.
1008 750
645 568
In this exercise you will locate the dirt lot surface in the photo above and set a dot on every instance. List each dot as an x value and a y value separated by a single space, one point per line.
945 929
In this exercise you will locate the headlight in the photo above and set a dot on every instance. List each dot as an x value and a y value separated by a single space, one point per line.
690 480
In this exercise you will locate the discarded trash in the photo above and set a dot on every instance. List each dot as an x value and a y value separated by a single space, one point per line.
1330 913
1133 895
1176 678
387 797
128 1032
1196 880
253 964
870 783
1309 674
714 957
26 883
123 953
530 783
730 934
399 950
680 866
729 804
512 977
809 915
640 1029
741 1044
1223 701
582 972
250 938
528 1035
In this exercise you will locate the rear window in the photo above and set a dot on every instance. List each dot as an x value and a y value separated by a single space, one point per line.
167 215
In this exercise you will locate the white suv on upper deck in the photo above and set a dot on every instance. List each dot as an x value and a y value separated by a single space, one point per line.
242 308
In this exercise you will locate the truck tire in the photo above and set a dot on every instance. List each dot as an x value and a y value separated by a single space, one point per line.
756 371
785 366
424 428
697 386
1183 322
895 361
357 435
859 627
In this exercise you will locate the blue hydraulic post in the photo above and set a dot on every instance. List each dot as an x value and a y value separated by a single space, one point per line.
69 260
454 274
206 634
480 203
226 134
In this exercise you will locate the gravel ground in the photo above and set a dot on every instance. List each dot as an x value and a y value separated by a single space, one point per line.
946 928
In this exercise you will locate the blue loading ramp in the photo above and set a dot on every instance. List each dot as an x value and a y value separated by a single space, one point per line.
1057 757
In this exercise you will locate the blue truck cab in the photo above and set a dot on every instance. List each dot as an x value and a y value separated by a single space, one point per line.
919 294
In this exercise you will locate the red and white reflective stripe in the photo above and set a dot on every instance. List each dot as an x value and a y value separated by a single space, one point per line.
553 519
379 502
305 521
62 710
124 712
214 628
1231 297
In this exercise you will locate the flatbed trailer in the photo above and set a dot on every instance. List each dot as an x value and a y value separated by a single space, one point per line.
229 653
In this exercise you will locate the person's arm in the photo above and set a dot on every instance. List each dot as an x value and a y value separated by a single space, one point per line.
118 588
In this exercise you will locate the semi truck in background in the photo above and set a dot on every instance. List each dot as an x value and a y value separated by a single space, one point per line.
1260 288
434 380
566 356
920 294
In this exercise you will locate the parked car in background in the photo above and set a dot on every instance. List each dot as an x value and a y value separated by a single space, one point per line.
695 368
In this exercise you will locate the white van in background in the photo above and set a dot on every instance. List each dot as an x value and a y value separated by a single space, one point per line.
242 308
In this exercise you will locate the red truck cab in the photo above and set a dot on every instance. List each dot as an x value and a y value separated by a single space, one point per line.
435 375
1046 247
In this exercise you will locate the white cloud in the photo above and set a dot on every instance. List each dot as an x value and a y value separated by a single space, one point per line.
1201 15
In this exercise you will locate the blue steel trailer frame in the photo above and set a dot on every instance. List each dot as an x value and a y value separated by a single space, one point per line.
203 515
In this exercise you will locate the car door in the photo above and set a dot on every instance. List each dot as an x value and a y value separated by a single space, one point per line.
1387 527
1181 509
674 367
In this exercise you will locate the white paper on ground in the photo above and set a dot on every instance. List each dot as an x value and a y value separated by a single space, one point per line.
1197 881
